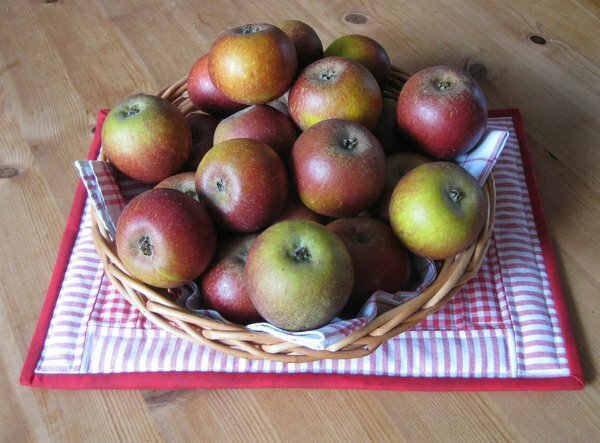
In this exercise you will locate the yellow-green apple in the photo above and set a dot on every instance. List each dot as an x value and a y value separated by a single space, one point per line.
363 50
396 166
203 131
436 210
183 182
205 95
309 47
244 184
252 64
260 122
299 275
146 138
380 261
164 238
335 87
442 111
338 168
223 285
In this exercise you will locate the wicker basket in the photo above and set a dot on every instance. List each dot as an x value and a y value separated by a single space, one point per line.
160 308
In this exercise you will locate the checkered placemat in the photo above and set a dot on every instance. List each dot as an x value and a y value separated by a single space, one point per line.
502 324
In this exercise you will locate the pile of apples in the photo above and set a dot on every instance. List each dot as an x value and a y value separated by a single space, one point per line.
296 190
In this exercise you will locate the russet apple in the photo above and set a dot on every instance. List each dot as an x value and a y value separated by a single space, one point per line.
260 122
294 209
205 95
335 87
146 138
203 131
243 183
309 47
436 210
363 50
164 238
442 111
223 285
252 64
183 182
338 168
380 261
299 275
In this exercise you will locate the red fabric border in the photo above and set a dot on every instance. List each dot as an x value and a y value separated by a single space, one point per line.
219 380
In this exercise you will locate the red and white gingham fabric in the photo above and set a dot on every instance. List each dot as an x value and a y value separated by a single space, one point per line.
503 324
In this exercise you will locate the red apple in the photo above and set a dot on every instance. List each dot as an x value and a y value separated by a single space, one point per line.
442 111
380 261
164 238
335 87
436 210
363 50
299 275
146 138
252 64
205 95
260 122
338 167
203 131
182 182
294 209
243 183
396 166
309 47
223 285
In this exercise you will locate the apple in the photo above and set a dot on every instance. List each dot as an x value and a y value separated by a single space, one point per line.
309 47
260 122
244 184
335 87
338 168
363 50
203 131
299 275
183 182
294 209
380 261
436 210
442 111
205 95
252 64
146 138
223 285
396 166
164 238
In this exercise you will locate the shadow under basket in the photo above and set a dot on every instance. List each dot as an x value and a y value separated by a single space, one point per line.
161 309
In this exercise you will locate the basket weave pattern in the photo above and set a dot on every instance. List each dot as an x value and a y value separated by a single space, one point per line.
160 307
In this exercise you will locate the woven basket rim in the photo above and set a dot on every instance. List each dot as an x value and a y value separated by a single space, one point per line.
161 309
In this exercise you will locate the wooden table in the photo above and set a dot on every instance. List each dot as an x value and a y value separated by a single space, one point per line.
61 61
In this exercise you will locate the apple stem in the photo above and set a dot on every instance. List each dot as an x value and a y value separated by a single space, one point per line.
130 110
442 86
191 193
328 74
350 143
249 29
220 185
145 246
455 195
301 254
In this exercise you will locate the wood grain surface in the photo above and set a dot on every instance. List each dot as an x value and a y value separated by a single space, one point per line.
63 60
